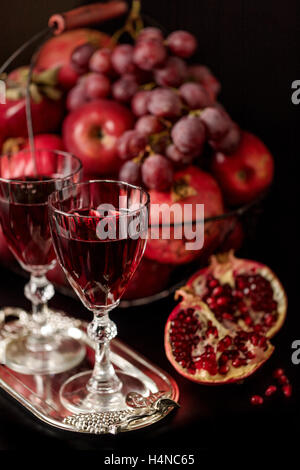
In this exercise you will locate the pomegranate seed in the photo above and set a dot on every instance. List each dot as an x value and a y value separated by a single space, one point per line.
227 316
213 283
270 390
268 320
278 373
287 390
222 301
250 355
283 380
217 291
236 362
254 339
223 369
248 320
257 400
223 358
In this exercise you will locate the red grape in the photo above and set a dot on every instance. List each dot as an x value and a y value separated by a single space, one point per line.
125 88
182 43
216 121
150 33
230 142
149 54
130 172
139 103
164 102
130 144
80 57
96 86
122 59
203 75
76 97
188 135
174 154
172 74
157 172
100 61
148 125
194 95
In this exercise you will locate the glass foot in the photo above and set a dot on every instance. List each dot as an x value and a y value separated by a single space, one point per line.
76 398
64 354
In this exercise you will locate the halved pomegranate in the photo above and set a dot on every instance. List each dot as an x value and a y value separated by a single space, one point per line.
241 293
204 351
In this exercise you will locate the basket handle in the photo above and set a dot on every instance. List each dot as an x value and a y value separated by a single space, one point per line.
86 15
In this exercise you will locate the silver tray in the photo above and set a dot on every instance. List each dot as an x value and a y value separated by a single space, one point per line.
39 394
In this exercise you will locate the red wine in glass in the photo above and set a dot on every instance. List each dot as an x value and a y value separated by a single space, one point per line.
26 226
99 270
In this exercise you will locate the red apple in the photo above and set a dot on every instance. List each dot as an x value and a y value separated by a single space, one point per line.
91 133
56 53
246 173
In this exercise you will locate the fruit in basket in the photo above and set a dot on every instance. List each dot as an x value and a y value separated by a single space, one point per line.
182 43
57 52
204 351
157 276
241 294
190 186
41 141
204 76
91 133
46 105
234 236
246 173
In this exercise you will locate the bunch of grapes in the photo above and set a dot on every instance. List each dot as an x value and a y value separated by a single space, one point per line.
174 103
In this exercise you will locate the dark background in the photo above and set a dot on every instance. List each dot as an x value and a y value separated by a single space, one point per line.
253 48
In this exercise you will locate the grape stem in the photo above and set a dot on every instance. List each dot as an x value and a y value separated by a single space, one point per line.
133 25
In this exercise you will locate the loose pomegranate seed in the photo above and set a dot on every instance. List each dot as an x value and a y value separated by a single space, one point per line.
283 380
256 400
287 390
278 373
270 390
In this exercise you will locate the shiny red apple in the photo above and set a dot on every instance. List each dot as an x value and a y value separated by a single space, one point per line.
91 133
246 173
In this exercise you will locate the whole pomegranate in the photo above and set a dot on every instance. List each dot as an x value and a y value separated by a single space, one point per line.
149 278
190 186
46 108
56 53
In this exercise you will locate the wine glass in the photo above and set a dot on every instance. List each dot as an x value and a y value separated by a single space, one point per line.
26 181
99 231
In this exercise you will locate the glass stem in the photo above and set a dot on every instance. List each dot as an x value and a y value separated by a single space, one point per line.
104 378
39 291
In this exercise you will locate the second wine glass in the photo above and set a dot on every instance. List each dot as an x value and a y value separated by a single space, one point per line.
26 181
